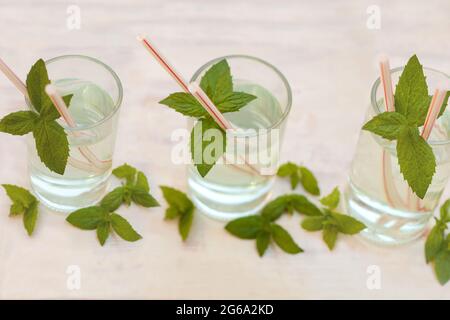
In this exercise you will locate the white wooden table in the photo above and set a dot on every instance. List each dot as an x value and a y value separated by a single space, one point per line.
325 50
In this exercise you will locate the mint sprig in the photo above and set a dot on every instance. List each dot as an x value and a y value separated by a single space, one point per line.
181 207
437 245
218 85
332 222
135 188
25 204
51 140
415 156
299 174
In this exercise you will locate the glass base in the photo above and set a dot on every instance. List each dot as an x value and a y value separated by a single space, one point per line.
226 204
385 225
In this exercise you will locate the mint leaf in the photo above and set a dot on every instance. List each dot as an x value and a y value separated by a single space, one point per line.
332 200
309 181
142 182
299 174
313 223
113 200
143 198
217 82
387 125
123 228
411 93
329 234
125 171
52 145
234 101
208 144
445 211
19 195
49 111
434 242
171 213
88 218
185 223
103 230
442 266
36 81
262 242
287 169
246 227
30 216
347 224
284 240
288 203
18 123
176 199
416 160
184 103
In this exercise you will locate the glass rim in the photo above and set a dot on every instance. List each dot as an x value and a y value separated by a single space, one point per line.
283 79
116 78
376 106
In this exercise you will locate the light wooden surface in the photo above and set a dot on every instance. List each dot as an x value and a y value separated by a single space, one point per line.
327 53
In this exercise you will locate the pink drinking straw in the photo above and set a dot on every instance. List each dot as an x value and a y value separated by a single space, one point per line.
23 89
61 106
194 89
433 111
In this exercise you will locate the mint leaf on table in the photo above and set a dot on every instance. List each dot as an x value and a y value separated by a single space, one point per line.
208 144
135 189
103 221
416 160
332 200
442 266
263 230
180 206
23 203
329 235
300 174
218 85
51 140
289 203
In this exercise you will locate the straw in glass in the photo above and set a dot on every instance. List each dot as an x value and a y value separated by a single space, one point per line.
194 89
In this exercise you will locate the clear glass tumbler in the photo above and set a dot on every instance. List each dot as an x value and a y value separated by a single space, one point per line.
240 183
377 194
97 96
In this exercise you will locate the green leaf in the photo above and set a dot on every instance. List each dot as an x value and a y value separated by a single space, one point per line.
208 144
52 145
49 111
330 233
275 208
184 103
19 195
313 223
123 228
284 240
88 218
36 81
411 94
287 169
177 199
143 198
302 205
125 171
171 213
246 227
442 266
217 82
16 209
445 211
416 160
30 217
434 242
142 182
19 123
234 101
387 125
347 224
444 104
262 242
332 200
185 223
103 230
112 201
309 181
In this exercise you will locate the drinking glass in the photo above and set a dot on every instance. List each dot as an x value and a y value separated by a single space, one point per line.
240 183
377 194
97 96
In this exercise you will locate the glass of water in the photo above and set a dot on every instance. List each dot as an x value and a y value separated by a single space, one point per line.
97 96
240 183
377 194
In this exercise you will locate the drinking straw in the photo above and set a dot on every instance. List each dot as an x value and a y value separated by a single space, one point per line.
433 111
61 106
386 81
193 89
23 89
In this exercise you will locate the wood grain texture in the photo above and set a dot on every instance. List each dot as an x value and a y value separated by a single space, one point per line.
327 53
